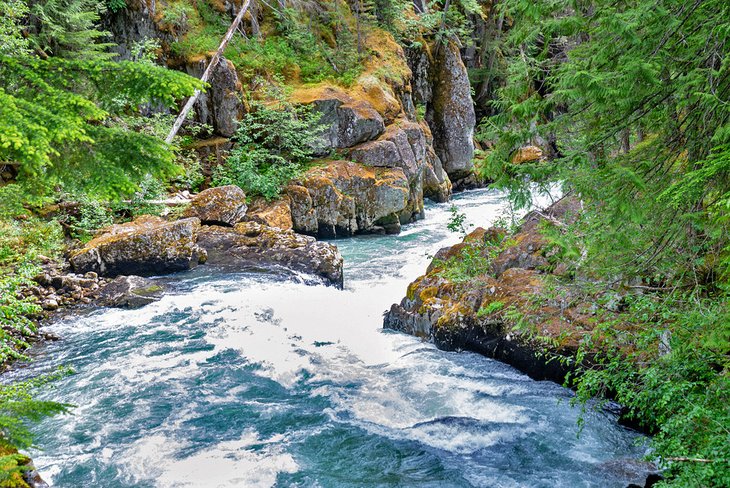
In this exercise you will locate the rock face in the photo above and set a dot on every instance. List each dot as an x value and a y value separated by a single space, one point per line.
147 246
451 112
223 205
496 273
342 198
133 24
436 183
221 106
402 145
252 246
347 121
129 292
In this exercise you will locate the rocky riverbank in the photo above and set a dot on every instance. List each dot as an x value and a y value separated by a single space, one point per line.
472 293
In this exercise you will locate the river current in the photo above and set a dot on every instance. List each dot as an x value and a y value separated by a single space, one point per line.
248 380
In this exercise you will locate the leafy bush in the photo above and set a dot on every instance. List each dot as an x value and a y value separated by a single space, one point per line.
273 146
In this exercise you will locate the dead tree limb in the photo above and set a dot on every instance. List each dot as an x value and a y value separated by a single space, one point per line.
211 65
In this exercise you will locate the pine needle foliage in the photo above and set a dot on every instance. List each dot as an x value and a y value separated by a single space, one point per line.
632 100
56 122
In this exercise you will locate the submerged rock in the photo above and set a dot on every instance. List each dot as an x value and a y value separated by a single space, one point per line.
130 292
344 198
252 246
147 246
223 205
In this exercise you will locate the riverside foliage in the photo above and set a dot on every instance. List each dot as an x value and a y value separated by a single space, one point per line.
632 100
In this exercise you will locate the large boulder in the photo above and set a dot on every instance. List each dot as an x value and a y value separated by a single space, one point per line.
462 299
129 292
252 246
224 205
451 112
147 246
343 198
347 121
402 145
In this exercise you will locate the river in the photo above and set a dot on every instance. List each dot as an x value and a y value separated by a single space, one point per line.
246 380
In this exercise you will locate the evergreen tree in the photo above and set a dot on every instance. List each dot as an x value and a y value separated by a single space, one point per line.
60 103
633 100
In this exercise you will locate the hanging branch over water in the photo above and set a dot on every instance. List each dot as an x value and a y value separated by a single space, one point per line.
208 71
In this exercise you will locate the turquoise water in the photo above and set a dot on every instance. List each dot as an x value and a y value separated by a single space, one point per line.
243 380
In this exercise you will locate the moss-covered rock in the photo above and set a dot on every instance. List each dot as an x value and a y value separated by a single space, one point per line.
275 213
342 198
223 205
347 120
451 112
470 312
147 246
255 247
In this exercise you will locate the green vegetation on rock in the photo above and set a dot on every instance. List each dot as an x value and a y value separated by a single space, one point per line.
273 146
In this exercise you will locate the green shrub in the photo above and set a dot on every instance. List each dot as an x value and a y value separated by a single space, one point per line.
90 216
273 146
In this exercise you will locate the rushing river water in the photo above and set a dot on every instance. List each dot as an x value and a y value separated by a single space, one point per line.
244 380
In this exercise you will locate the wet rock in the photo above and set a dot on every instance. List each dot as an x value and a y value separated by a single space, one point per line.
130 292
147 246
451 113
343 198
252 246
274 214
639 474
50 304
223 205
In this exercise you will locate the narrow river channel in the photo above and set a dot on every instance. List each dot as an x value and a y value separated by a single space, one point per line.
248 380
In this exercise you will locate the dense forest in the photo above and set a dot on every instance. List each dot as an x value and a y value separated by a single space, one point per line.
625 105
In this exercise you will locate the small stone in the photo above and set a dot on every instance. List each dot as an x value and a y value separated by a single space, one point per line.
50 305
42 279
91 276
58 282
